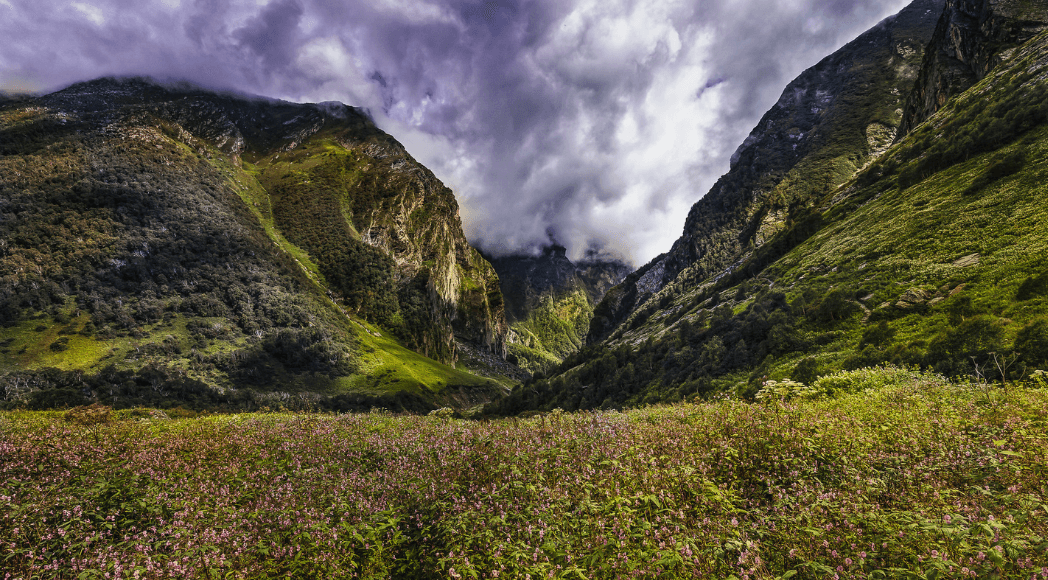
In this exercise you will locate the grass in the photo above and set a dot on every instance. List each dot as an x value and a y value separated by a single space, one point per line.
386 366
910 477
28 345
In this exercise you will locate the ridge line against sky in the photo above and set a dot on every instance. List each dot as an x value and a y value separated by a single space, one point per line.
597 122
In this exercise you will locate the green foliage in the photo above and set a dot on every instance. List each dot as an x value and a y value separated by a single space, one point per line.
871 379
879 334
928 275
1004 166
176 229
1034 286
807 370
836 305
952 351
785 390
552 331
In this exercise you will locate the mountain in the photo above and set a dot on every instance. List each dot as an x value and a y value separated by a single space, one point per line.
549 302
829 123
223 242
931 253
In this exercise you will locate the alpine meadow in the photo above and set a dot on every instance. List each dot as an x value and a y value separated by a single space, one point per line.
242 337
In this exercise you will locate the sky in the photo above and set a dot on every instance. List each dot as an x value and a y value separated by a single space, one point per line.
595 123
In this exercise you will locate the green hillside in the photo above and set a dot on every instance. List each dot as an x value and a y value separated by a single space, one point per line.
933 256
166 245
549 302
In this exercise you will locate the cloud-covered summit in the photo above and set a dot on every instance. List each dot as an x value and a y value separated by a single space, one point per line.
599 121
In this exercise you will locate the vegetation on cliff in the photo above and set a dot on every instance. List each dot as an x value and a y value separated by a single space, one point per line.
549 302
227 242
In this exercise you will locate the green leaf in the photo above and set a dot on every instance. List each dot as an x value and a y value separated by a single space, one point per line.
789 574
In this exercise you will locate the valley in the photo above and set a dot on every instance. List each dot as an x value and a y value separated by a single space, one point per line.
249 338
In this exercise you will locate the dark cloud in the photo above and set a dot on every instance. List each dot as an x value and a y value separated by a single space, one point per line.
599 121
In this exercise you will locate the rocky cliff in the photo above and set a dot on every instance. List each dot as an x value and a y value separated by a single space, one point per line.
971 38
829 123
549 302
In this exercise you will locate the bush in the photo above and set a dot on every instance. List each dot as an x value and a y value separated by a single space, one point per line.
785 390
1031 343
1032 287
62 398
807 370
1002 167
94 414
954 352
865 379
837 305
879 334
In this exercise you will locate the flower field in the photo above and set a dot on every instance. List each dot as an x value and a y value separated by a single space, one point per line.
927 479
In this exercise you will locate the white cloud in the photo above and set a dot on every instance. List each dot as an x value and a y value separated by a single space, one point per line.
600 120
92 13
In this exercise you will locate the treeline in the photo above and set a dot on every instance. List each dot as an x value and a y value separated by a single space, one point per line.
165 388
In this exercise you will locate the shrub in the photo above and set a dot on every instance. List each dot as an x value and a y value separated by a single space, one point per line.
837 305
879 334
94 414
865 379
62 398
1002 167
955 351
807 370
1032 287
785 390
1031 343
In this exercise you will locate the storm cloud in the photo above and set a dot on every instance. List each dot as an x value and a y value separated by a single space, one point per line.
596 122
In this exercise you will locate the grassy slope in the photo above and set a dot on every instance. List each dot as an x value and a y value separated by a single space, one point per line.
831 121
884 240
913 478
384 365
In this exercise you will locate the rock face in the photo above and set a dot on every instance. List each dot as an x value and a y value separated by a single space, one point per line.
829 123
549 302
525 279
972 37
